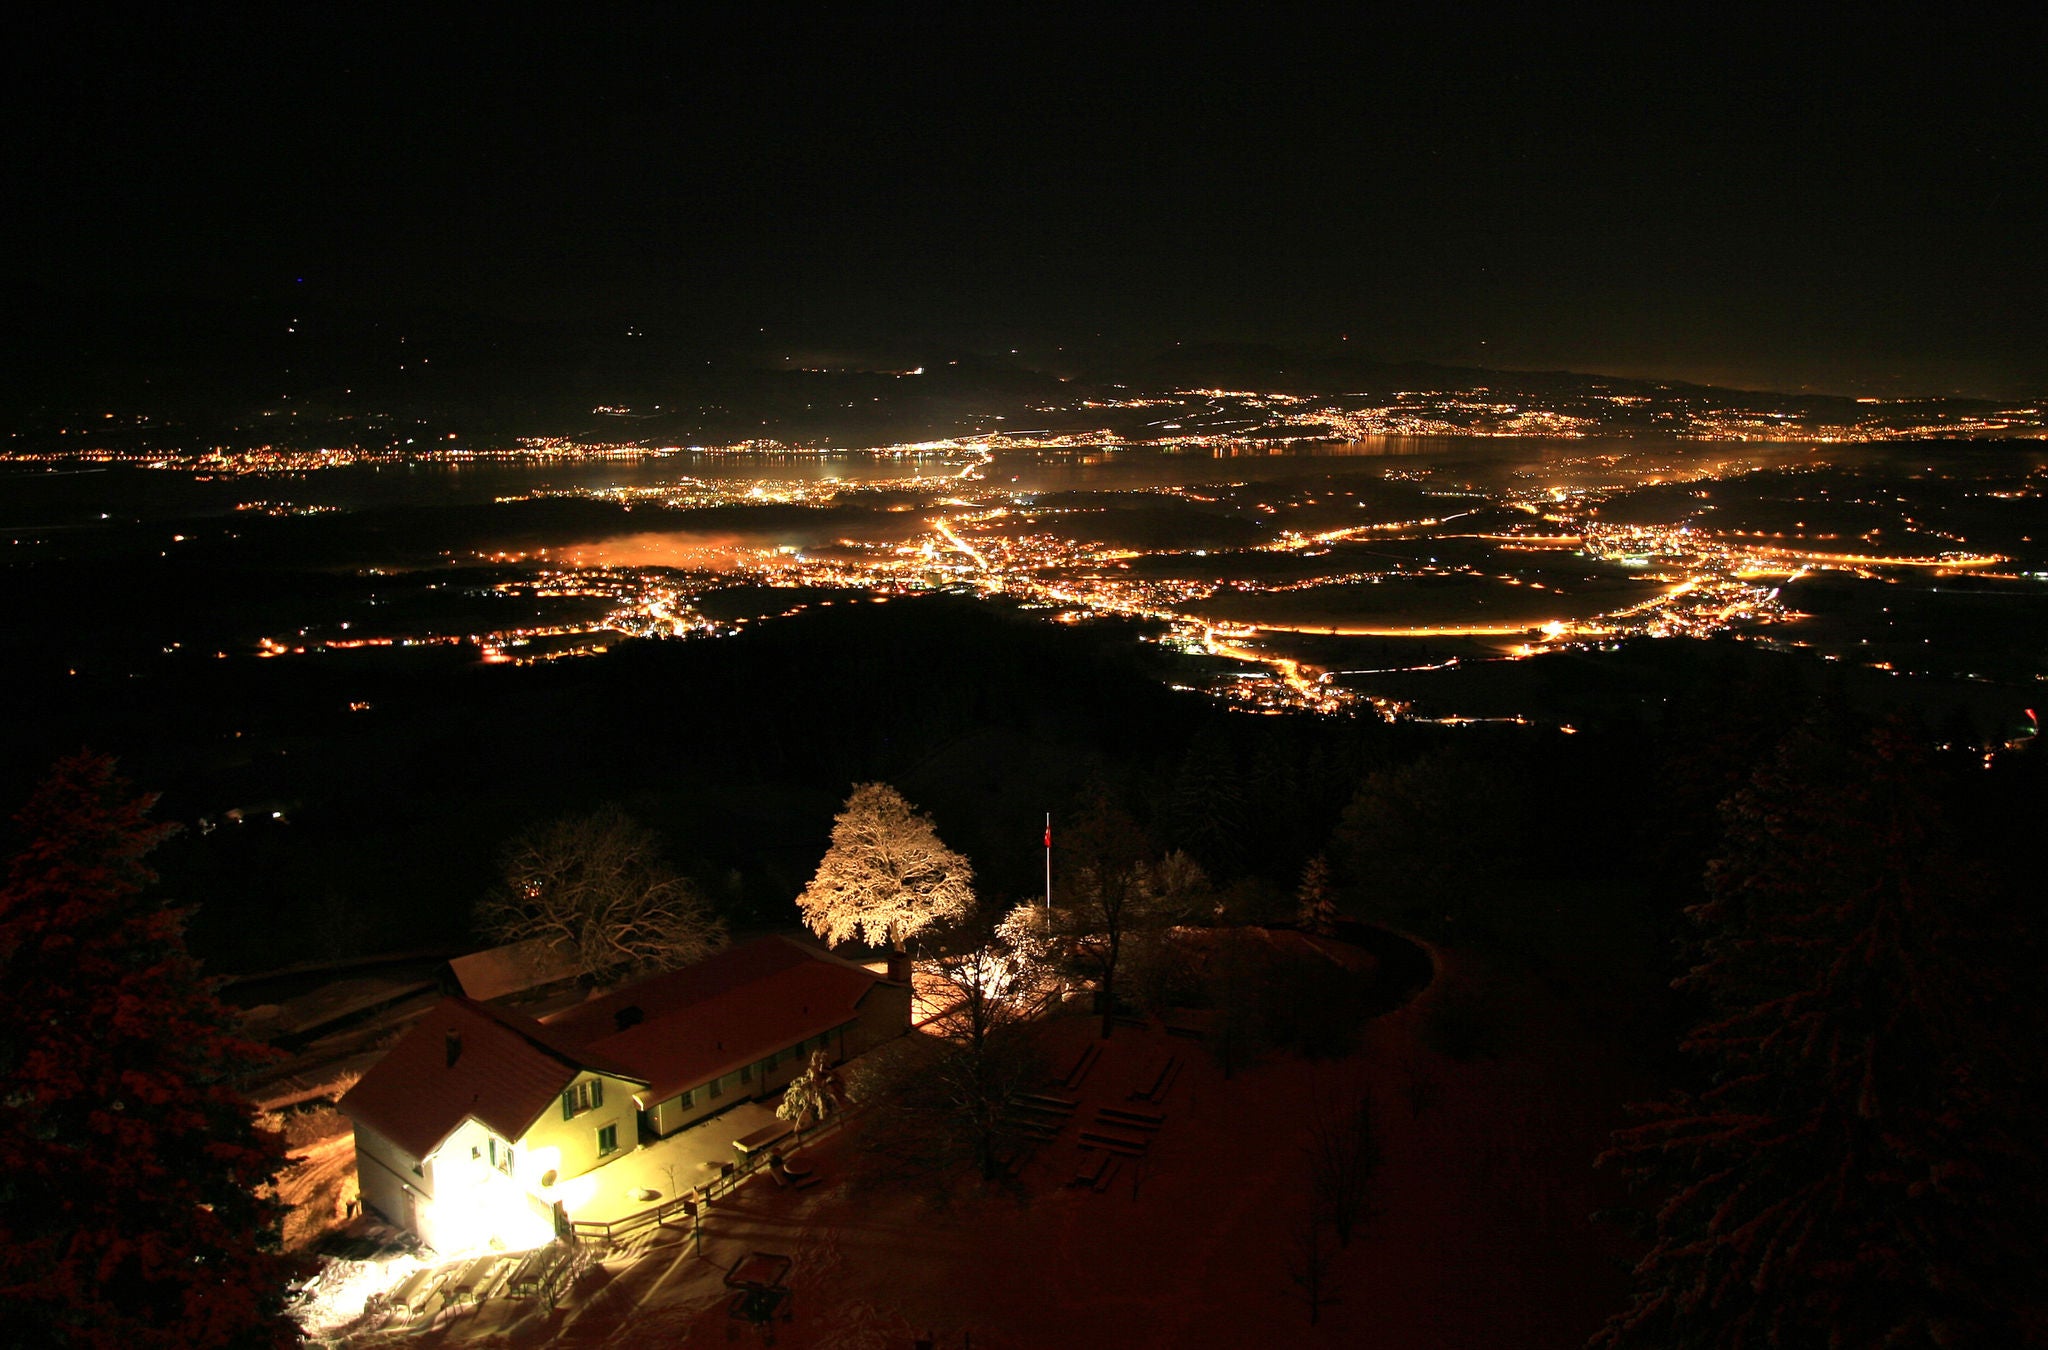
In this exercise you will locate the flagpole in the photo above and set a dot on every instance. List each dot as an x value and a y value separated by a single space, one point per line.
1048 862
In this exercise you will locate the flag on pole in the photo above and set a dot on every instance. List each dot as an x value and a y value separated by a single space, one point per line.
1048 862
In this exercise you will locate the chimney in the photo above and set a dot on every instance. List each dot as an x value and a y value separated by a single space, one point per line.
454 1046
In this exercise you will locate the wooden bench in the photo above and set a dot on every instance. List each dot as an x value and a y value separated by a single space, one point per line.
1169 1069
1135 1120
1079 1072
766 1137
1108 1174
1043 1102
1115 1143
1031 1124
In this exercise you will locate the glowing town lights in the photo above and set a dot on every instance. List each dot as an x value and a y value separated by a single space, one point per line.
948 519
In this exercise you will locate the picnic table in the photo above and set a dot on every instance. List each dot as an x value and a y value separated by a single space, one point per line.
478 1280
758 1270
400 1298
531 1275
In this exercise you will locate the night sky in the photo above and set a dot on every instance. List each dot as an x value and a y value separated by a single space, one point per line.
1853 208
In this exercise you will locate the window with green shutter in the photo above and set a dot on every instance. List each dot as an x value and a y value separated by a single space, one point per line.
582 1097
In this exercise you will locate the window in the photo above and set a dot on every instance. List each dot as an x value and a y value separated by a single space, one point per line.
585 1096
717 1088
501 1158
746 1073
688 1098
607 1141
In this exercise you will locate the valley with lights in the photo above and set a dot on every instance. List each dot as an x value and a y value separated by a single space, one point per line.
1288 550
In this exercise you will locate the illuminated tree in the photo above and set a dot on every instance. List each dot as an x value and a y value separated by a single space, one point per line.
886 876
135 1200
991 991
1027 930
1859 1168
810 1095
989 984
596 886
1177 890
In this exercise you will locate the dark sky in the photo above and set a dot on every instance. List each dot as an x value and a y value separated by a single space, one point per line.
1852 208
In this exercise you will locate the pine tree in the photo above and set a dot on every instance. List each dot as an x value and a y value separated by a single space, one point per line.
1316 898
1856 1171
135 1208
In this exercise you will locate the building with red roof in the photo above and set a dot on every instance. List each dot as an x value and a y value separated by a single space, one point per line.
467 1127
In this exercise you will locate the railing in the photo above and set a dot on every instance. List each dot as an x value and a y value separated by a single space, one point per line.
612 1231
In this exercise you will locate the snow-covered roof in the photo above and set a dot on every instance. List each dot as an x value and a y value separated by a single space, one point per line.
512 968
689 1026
667 1033
505 1071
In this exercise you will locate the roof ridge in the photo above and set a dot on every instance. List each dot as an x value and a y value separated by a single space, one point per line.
534 1033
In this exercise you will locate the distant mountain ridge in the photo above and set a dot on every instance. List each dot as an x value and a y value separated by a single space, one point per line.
278 364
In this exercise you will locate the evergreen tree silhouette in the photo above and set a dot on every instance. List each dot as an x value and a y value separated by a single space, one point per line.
134 1201
1862 1166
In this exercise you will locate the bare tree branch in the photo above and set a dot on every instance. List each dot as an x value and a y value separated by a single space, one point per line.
596 886
1343 1155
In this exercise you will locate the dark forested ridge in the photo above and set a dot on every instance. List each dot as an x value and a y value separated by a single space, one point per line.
737 751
